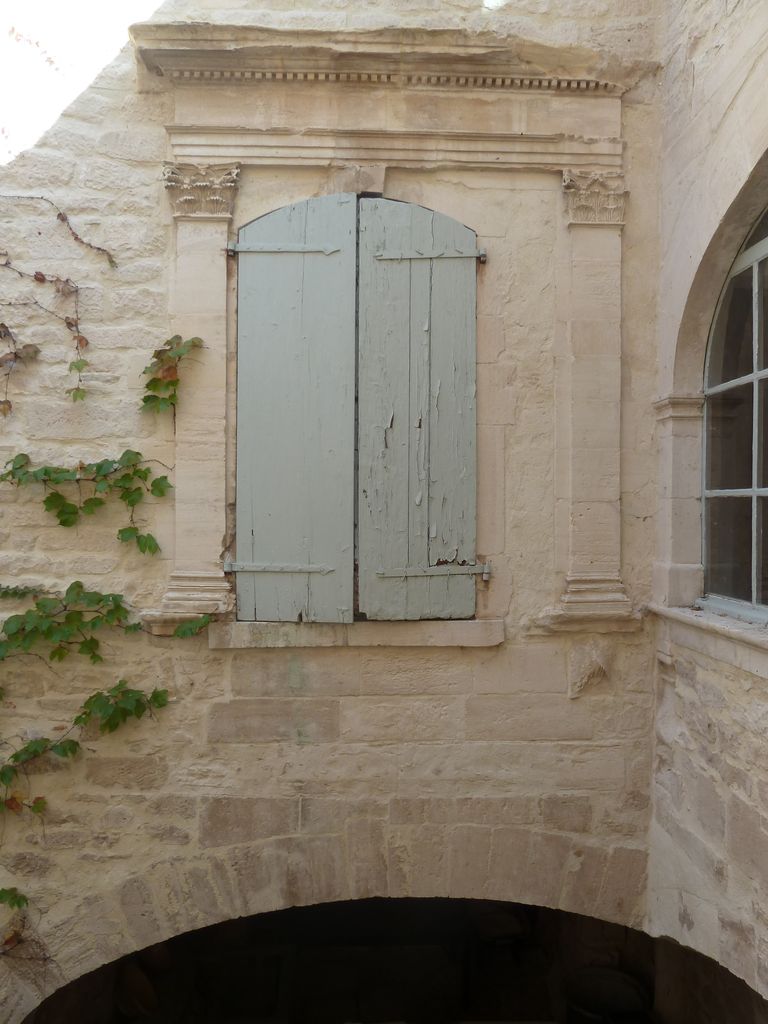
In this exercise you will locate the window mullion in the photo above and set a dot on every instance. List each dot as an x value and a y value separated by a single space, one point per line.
755 422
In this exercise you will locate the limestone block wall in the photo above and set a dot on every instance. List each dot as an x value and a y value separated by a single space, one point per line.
708 837
281 777
709 828
714 138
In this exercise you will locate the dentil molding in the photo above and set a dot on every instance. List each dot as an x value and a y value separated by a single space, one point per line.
413 58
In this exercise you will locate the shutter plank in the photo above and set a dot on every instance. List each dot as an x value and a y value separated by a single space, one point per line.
416 354
295 428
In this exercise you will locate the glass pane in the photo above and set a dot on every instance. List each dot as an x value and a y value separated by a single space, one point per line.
762 318
729 547
729 439
762 550
759 232
762 439
730 353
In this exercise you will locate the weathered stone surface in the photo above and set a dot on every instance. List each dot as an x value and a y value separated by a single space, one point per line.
268 720
300 775
134 773
228 820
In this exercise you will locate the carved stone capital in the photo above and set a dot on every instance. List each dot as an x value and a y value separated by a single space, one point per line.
197 191
189 595
594 198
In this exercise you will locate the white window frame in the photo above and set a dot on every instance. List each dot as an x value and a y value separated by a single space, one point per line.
752 611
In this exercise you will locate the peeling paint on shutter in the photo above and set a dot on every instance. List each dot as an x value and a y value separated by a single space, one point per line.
416 500
296 412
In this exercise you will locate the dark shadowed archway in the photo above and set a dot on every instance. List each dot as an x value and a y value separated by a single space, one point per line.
426 961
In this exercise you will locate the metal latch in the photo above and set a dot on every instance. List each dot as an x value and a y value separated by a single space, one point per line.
266 567
476 254
451 569
234 250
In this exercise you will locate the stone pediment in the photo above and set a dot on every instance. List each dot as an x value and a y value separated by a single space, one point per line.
410 57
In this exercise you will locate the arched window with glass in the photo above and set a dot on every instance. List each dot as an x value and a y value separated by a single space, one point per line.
735 425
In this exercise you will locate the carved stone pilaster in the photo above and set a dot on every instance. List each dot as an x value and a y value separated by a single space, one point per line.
594 198
197 191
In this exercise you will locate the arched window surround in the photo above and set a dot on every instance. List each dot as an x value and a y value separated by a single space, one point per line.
734 473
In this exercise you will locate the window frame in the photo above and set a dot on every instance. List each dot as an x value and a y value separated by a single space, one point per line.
753 610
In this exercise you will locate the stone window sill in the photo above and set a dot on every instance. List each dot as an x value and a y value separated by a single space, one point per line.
720 636
457 633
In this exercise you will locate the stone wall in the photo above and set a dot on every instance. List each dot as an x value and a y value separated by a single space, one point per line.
293 776
708 836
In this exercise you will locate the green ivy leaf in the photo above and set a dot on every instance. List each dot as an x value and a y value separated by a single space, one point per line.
192 627
77 394
160 486
31 750
132 497
147 544
74 592
65 748
128 533
38 805
13 624
90 505
68 514
13 898
129 458
54 501
20 591
78 365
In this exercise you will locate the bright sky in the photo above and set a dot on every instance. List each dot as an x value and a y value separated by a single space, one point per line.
50 50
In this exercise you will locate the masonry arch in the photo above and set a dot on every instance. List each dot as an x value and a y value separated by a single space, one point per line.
699 310
679 573
418 960
122 912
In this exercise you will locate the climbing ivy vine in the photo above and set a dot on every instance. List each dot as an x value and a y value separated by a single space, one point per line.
55 626
129 478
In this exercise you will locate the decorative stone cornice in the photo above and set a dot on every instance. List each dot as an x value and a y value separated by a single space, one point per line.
402 58
594 198
198 191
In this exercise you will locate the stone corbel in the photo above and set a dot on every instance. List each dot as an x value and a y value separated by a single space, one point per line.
202 199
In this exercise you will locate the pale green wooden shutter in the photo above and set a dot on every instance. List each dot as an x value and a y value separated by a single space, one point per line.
296 412
416 394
